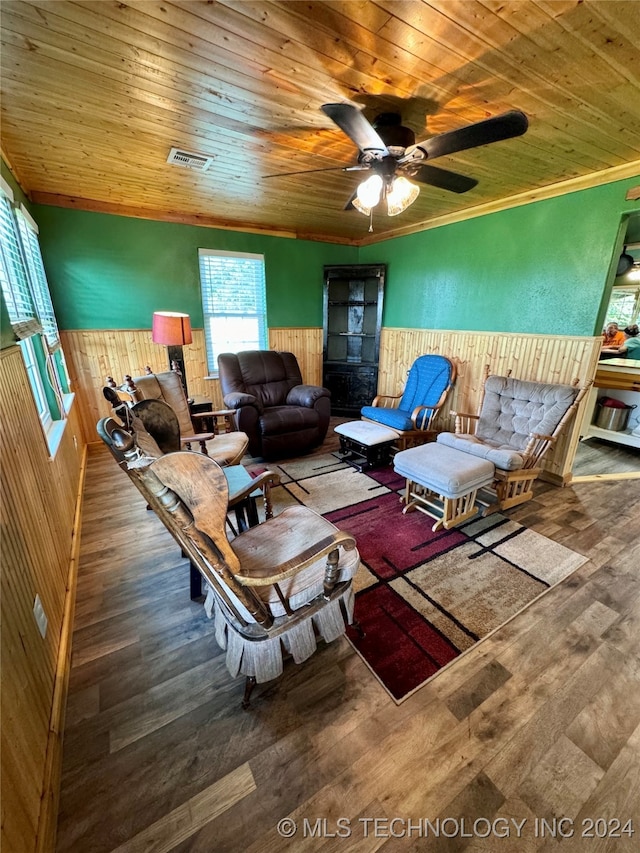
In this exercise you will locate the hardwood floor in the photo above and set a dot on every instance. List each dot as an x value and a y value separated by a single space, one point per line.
537 729
595 456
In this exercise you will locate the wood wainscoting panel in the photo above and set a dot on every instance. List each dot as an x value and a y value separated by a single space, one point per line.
92 355
39 502
306 345
537 358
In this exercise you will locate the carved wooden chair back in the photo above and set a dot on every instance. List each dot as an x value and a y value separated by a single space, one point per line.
152 440
162 407
274 587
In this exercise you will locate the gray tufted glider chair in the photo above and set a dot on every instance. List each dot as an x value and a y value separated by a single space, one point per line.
518 423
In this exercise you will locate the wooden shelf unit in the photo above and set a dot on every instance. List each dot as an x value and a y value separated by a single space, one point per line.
353 298
613 376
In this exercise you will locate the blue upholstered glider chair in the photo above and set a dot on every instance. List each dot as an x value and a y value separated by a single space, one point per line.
412 414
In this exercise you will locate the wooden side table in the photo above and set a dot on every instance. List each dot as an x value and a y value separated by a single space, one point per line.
210 420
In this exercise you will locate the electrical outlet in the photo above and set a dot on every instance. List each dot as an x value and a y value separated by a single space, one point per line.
41 616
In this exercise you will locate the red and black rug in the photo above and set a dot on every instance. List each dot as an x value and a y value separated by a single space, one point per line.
423 598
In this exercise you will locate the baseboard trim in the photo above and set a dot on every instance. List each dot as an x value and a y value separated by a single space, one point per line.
622 475
48 817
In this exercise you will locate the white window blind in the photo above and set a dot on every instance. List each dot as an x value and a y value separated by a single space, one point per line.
26 294
38 278
233 302
15 285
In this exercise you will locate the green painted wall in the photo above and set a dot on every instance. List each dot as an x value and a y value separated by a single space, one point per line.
546 267
542 268
113 272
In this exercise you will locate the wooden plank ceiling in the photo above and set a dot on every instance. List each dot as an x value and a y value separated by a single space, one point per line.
95 93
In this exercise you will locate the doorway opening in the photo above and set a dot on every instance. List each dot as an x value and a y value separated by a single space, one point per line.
607 453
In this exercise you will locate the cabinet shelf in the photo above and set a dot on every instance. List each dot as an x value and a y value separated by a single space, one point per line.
352 304
350 335
617 436
343 303
337 362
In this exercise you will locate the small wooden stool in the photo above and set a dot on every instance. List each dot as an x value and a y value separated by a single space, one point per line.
365 445
442 482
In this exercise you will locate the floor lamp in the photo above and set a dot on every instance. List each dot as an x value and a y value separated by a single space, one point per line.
173 330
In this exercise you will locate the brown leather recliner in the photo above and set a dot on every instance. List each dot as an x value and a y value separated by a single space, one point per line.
282 416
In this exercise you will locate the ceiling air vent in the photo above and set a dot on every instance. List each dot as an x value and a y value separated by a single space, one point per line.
178 157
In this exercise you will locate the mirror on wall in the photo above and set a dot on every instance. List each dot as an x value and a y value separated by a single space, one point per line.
614 452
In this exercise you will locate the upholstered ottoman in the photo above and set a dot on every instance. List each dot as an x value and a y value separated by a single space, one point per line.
365 445
442 482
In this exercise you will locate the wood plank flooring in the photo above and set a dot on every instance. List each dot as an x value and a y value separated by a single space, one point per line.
516 747
595 456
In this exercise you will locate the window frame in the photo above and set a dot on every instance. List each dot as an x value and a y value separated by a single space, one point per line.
35 380
207 292
27 296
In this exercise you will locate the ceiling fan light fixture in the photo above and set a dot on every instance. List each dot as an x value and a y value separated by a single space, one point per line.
368 194
402 194
366 211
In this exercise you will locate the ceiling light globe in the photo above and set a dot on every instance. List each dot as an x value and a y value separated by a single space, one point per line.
369 191
402 194
360 207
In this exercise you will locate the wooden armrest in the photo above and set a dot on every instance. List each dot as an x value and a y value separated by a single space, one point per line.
227 416
198 436
465 415
422 417
465 424
219 413
267 479
301 561
379 400
536 448
539 437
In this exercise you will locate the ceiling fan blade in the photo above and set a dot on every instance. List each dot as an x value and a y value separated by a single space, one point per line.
349 204
352 122
305 171
443 179
505 126
358 168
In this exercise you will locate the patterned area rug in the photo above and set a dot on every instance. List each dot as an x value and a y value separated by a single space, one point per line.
423 598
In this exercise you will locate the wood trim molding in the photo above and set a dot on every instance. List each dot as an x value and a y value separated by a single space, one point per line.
47 822
92 206
606 176
595 179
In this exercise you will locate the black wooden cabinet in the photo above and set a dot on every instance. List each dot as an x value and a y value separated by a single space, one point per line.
352 321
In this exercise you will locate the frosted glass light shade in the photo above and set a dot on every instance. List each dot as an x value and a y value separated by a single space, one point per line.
369 191
402 194
360 207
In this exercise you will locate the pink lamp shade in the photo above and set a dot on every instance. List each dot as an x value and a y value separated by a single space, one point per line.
171 328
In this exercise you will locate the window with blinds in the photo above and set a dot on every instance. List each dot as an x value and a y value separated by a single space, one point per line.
26 294
15 285
233 302
39 283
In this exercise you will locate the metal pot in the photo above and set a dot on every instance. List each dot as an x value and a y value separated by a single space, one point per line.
615 419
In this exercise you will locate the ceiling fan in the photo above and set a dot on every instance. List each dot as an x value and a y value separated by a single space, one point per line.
389 151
